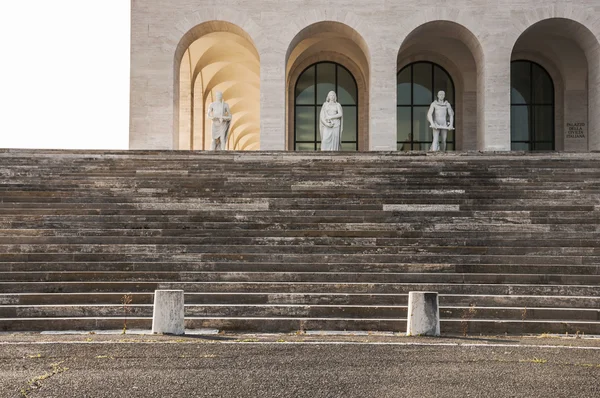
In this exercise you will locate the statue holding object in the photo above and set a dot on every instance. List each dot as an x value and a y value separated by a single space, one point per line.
441 119
332 124
220 115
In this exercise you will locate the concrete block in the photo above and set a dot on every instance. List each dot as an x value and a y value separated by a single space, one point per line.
168 312
423 314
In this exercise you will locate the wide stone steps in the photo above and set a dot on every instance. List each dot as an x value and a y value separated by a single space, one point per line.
297 277
307 219
299 311
299 287
348 299
567 253
244 267
328 223
365 259
301 238
408 237
289 241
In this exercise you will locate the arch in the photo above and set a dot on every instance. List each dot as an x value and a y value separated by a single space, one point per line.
570 52
458 51
335 42
216 56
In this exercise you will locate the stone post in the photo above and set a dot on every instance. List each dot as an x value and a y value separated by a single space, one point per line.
168 312
423 314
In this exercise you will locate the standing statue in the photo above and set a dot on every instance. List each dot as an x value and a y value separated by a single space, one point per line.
439 113
220 114
332 124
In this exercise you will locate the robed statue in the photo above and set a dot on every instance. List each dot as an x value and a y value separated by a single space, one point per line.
220 115
441 119
331 124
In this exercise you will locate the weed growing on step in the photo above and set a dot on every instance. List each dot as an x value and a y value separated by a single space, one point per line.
126 300
302 329
523 318
524 314
467 316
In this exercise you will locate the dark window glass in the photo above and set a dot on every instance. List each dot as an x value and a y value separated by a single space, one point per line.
325 81
347 90
305 88
543 88
543 120
520 146
532 108
422 83
348 147
421 129
305 123
519 123
544 146
404 124
349 133
404 89
418 85
305 147
521 83
442 82
311 91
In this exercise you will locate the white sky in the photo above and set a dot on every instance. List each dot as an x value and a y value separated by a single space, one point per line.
64 74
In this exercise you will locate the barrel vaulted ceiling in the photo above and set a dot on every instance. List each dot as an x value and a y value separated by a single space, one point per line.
226 62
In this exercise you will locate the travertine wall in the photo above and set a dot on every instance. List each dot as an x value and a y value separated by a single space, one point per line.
487 32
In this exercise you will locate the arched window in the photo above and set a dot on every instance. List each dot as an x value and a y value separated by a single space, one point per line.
532 107
418 85
310 93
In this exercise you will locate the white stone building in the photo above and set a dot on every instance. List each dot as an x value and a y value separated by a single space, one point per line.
520 74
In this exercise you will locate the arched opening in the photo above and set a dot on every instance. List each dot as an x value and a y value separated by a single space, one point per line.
217 57
435 55
327 56
563 56
531 108
418 85
314 83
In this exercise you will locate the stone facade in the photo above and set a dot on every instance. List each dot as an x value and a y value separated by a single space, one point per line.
474 40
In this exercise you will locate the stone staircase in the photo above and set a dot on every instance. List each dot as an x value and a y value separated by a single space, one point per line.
275 241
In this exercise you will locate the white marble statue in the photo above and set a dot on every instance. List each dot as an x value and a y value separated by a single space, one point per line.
332 124
220 114
441 119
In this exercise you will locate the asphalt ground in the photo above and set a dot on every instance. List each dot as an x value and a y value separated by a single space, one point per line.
147 366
